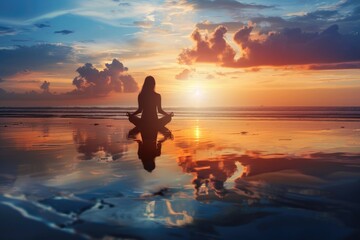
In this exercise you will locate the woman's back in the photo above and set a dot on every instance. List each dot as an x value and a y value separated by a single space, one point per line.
149 103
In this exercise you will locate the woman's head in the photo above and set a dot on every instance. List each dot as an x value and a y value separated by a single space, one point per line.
149 85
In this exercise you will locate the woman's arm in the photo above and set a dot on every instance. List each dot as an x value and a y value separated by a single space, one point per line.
139 110
160 110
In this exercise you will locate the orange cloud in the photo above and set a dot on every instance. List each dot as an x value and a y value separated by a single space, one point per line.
288 47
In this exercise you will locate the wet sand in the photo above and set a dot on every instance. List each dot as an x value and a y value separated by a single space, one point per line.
78 178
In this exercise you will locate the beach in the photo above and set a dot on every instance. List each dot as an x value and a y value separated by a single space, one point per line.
206 177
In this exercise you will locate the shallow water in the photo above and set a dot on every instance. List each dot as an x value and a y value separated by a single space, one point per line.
78 178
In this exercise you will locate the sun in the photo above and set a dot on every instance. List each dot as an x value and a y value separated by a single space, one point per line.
197 93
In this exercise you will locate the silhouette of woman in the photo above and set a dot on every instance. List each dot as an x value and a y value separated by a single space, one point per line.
149 104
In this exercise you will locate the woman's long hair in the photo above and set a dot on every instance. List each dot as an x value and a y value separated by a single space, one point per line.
148 86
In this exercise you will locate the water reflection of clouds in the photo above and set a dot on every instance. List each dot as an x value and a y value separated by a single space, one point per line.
46 152
257 175
221 169
104 143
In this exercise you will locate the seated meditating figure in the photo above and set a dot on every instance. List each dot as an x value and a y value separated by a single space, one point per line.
149 105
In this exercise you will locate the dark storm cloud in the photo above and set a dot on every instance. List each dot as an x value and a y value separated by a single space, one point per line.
36 57
225 4
6 30
288 47
42 25
64 32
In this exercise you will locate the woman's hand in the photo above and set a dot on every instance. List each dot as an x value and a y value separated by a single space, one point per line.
170 114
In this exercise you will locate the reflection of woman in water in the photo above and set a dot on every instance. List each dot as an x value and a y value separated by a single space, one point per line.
149 147
149 105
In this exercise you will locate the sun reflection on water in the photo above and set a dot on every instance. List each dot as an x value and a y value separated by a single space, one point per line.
197 132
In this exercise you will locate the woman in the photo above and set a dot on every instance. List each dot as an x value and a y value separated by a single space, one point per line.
149 105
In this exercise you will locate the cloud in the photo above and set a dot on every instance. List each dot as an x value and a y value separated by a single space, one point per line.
45 86
6 31
313 21
184 75
88 142
354 15
129 84
144 24
2 80
36 57
28 81
64 32
347 65
274 23
253 69
316 15
288 47
116 66
42 25
346 14
213 48
91 81
293 46
124 4
29 96
346 3
224 4
210 26
210 76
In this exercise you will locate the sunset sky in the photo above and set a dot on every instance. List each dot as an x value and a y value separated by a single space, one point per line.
201 52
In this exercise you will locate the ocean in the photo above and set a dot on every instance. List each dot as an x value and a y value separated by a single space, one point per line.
182 112
213 173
